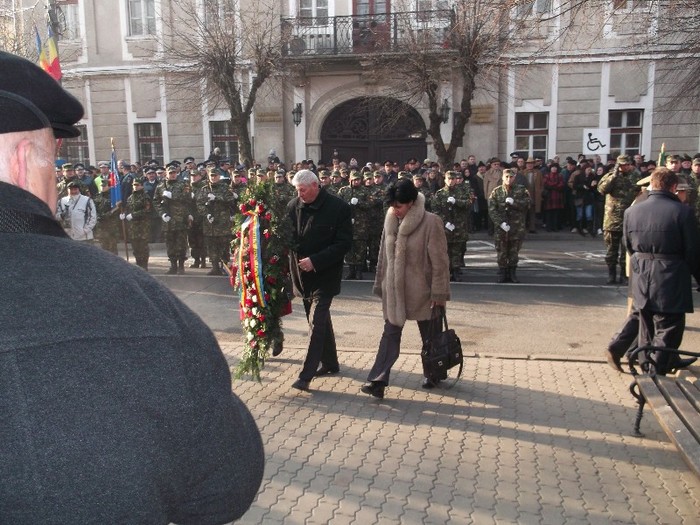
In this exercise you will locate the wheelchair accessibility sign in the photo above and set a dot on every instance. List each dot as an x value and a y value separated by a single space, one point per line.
596 141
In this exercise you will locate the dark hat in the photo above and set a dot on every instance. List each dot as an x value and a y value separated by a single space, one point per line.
73 184
623 159
149 170
79 165
687 157
30 100
481 164
188 159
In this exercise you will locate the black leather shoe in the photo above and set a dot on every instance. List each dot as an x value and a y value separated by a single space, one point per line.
277 348
428 383
613 361
683 363
324 370
300 384
374 389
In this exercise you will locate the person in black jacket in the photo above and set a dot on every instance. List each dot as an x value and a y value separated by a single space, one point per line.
128 418
321 236
661 237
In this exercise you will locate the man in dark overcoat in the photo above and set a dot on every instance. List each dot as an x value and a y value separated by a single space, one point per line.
661 237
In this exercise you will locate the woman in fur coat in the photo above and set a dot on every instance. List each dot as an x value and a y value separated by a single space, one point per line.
413 276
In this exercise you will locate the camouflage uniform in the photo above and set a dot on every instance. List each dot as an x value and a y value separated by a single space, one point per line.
195 234
140 207
177 207
108 230
62 187
508 243
284 193
454 216
216 218
619 190
360 202
378 211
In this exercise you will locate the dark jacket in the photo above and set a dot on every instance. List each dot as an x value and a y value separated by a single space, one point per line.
662 238
115 418
321 230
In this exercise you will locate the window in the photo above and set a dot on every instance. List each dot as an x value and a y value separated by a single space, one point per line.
149 140
69 19
76 149
533 7
142 17
310 9
625 132
628 4
223 138
531 134
218 10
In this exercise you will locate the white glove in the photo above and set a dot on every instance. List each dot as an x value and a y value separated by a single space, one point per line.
449 226
509 200
166 217
505 227
235 195
190 218
210 218
354 201
122 216
211 196
129 217
168 194
451 200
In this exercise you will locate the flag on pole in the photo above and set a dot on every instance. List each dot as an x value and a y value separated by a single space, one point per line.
115 188
43 63
51 53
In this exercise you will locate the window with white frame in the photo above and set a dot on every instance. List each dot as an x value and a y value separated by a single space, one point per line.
625 131
628 5
76 149
316 10
534 7
222 137
531 134
218 10
142 17
69 19
149 141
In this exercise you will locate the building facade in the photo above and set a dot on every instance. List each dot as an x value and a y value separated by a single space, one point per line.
537 102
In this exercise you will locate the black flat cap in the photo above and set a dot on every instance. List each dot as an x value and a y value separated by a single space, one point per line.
30 99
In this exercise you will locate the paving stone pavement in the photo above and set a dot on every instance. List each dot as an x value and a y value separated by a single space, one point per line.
520 441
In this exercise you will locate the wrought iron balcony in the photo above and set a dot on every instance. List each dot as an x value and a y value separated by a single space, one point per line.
361 34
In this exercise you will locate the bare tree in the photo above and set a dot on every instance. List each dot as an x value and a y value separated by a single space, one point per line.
228 49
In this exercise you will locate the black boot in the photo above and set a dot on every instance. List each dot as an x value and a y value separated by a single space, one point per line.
611 274
513 277
591 228
352 272
215 268
501 276
582 228
173 267
623 276
181 267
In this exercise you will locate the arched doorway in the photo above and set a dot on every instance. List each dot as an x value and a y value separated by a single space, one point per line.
374 129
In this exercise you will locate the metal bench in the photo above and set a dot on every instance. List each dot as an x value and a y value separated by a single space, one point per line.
674 400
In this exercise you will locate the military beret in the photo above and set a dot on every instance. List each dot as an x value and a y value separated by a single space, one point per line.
31 100
67 166
73 184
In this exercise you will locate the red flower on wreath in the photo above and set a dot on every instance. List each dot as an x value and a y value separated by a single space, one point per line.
261 333
252 202
268 216
260 209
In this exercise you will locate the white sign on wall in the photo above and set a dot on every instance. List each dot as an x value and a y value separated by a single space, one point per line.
596 141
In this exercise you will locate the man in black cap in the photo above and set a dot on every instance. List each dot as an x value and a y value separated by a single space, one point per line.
128 417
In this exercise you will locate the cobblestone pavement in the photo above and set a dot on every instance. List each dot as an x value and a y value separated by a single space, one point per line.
515 441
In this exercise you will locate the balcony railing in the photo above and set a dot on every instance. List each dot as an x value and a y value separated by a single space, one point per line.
358 34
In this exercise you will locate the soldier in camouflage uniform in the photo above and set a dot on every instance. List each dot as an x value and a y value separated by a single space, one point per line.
173 200
357 196
508 207
138 213
336 183
195 234
283 190
108 230
214 203
620 189
422 187
452 205
70 176
374 182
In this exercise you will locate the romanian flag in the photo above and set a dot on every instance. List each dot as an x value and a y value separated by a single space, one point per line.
48 55
115 187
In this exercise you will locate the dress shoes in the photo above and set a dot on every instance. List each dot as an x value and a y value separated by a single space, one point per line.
374 389
277 348
302 385
683 363
428 383
613 360
324 370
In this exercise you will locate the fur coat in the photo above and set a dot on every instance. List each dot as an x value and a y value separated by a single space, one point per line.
413 267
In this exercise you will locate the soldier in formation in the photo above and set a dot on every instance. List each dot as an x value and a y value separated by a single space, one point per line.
214 203
138 213
508 208
173 200
357 196
108 230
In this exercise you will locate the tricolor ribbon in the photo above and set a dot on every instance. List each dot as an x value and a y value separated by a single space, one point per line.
250 231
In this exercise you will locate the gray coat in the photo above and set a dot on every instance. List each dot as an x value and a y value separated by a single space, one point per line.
661 237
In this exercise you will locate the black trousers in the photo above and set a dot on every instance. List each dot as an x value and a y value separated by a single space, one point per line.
322 347
627 338
390 348
662 329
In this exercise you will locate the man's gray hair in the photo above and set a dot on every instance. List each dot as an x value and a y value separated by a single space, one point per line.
305 178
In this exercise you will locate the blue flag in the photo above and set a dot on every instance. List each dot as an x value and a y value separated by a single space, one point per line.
115 187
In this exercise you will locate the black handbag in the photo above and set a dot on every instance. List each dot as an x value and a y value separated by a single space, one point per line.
443 349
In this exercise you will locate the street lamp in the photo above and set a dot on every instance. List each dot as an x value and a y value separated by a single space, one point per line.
297 112
445 111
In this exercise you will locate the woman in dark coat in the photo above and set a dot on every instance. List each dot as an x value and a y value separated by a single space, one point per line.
553 201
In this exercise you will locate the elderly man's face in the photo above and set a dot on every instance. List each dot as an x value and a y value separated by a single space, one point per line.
308 192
